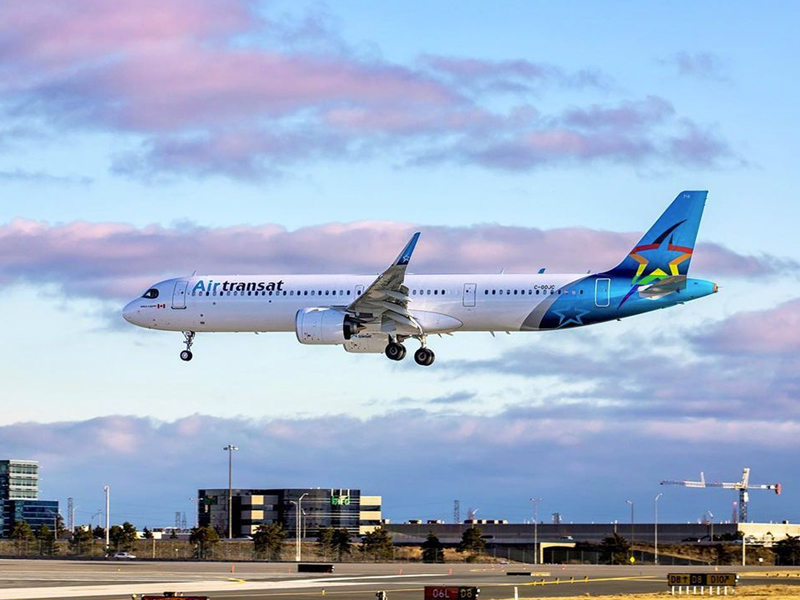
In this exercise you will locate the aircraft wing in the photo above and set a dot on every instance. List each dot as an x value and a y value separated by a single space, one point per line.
386 300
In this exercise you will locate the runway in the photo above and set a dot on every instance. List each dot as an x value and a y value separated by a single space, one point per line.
93 580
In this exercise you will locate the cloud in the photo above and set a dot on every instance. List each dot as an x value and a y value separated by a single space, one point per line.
417 461
699 65
507 75
773 332
220 87
40 177
116 261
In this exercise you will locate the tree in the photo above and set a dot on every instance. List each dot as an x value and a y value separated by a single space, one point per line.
99 533
432 549
378 544
21 531
787 550
614 550
147 534
472 542
47 541
81 541
268 541
325 540
340 542
173 534
204 539
122 537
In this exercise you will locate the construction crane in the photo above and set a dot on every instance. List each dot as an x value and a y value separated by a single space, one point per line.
743 486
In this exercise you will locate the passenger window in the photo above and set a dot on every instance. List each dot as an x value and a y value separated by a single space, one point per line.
515 292
435 292
494 292
501 292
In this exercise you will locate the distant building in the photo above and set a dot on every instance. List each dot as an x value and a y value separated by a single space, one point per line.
19 480
19 493
321 508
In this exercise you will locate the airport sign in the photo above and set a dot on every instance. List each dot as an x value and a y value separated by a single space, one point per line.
702 579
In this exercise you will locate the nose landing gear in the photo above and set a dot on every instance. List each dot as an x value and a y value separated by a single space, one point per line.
188 336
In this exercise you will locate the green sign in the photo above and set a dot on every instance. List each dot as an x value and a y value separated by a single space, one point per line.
340 500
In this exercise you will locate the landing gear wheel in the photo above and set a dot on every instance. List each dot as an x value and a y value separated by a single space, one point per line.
424 357
188 337
395 351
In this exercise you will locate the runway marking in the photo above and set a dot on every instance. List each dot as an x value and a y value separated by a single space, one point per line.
590 580
215 585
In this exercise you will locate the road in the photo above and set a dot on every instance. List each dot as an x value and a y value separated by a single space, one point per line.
95 580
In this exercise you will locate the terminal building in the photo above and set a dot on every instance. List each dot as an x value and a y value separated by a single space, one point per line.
317 508
19 497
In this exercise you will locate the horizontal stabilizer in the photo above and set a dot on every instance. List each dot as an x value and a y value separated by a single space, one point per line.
667 286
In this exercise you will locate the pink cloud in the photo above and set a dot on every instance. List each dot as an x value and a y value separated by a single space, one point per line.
214 87
113 260
774 331
403 455
651 110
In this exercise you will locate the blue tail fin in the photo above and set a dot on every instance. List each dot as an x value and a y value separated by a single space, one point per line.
666 250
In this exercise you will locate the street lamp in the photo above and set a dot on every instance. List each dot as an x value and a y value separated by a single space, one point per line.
631 503
107 490
536 529
711 521
230 448
298 507
655 502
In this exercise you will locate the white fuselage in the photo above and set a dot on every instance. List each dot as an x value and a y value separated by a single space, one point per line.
269 303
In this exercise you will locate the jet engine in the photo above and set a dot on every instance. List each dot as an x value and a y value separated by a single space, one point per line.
324 326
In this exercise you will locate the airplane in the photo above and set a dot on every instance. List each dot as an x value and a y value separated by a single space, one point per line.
365 314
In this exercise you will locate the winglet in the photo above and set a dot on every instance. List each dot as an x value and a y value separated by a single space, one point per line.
405 256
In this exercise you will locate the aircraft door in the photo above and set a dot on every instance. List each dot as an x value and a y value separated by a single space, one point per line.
602 292
359 290
469 294
179 295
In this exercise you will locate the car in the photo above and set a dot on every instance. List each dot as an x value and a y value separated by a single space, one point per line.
567 538
124 556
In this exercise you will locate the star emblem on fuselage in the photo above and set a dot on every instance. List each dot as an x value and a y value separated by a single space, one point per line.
569 315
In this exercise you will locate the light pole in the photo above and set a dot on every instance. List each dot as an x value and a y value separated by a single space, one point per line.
711 522
631 503
536 529
107 490
298 507
655 502
230 448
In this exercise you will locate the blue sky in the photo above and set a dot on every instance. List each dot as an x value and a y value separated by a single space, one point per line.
155 139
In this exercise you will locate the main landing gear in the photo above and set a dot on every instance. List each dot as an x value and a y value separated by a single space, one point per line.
424 356
188 337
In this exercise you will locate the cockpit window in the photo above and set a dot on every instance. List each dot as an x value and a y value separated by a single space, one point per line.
152 293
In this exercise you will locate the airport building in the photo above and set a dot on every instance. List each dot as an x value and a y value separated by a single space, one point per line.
317 508
19 497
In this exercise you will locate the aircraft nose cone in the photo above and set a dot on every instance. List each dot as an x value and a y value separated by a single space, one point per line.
130 312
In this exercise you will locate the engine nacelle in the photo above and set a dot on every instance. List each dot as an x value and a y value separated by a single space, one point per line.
324 326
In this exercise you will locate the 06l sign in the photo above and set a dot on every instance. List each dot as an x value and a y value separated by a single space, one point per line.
449 592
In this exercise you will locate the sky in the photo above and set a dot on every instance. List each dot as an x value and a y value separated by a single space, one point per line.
142 141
